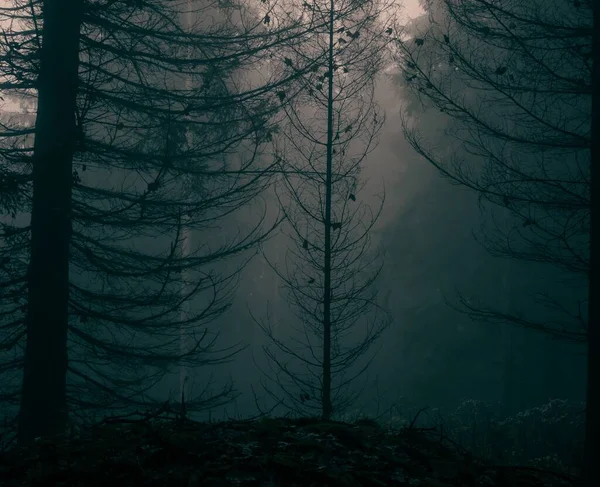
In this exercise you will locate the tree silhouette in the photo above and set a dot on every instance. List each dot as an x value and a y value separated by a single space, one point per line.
516 79
145 129
329 272
592 417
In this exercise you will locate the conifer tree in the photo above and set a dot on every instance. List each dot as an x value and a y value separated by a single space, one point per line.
329 272
146 125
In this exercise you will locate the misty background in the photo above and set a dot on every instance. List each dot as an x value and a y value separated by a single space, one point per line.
432 355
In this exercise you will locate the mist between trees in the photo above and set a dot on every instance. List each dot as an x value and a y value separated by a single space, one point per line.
228 205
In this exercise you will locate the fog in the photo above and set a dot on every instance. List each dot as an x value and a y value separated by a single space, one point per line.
432 355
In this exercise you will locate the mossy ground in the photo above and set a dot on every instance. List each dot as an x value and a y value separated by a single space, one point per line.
269 452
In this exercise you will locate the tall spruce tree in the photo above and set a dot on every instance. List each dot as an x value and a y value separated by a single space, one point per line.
146 126
329 272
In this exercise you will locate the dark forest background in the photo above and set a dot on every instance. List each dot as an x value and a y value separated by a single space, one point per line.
500 387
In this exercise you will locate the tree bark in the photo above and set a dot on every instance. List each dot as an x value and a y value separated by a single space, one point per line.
592 416
43 409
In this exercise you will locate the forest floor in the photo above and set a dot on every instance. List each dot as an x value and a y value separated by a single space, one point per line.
268 452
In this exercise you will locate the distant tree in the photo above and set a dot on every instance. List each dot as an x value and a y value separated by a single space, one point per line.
516 80
147 127
329 273
592 416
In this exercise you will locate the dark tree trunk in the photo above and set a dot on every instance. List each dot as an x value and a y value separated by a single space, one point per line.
326 392
592 434
43 410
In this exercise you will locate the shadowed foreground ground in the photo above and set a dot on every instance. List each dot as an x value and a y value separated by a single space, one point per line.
269 452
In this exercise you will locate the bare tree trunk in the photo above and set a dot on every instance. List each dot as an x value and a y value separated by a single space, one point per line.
326 399
184 345
43 410
592 417
184 339
508 334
